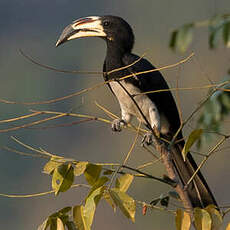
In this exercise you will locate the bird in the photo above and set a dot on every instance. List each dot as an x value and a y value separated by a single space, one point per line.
158 111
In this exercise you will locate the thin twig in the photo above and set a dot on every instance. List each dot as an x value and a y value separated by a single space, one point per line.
149 163
151 153
195 111
111 115
55 69
63 125
76 71
148 175
95 86
178 97
205 159
127 66
33 149
23 153
142 203
39 194
126 158
182 88
31 124
20 118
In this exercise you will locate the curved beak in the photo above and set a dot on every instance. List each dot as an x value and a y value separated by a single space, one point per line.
83 27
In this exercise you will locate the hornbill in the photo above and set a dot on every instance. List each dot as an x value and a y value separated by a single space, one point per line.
157 110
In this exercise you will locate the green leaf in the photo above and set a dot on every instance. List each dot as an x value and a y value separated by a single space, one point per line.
226 34
182 219
64 211
126 203
91 203
108 172
123 182
172 43
216 26
63 178
44 225
184 37
215 216
193 137
60 225
79 219
109 200
53 223
214 112
214 37
155 201
100 182
83 215
202 219
80 168
165 201
228 226
57 220
174 195
51 165
225 101
70 225
92 173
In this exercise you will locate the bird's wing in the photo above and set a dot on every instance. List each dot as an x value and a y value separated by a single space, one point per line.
153 81
198 191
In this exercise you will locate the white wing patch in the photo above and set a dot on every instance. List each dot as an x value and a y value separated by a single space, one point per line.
129 109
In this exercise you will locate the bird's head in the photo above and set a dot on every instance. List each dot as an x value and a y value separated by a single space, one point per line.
113 29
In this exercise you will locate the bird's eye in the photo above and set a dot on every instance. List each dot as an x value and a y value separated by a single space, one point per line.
106 23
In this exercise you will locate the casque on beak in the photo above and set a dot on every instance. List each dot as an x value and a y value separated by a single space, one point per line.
83 27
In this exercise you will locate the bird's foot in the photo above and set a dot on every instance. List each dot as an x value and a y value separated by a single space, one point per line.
147 139
117 125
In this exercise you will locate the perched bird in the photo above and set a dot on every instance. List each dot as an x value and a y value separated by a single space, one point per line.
158 111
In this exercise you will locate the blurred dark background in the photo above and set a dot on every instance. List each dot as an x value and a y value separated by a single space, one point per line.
34 27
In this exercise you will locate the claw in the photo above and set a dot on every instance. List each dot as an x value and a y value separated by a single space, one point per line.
117 125
147 139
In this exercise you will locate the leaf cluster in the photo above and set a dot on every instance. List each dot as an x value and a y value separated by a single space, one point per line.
208 218
81 217
214 112
219 27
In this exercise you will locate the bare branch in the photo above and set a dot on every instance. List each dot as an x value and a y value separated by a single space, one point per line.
213 150
39 194
31 124
167 161
21 117
55 69
95 86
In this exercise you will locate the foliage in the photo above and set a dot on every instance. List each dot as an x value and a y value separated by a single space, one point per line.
111 185
217 106
193 137
219 27
63 172
208 218
214 112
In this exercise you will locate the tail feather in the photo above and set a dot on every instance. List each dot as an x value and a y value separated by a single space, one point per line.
198 190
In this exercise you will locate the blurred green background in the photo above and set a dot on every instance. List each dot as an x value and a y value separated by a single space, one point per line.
34 27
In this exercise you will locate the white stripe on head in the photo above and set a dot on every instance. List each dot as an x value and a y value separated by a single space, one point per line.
88 27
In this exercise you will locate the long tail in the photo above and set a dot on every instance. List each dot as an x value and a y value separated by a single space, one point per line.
198 190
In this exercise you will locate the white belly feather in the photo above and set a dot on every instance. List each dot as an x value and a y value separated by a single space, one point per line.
129 109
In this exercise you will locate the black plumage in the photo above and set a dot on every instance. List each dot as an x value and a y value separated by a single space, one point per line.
159 109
